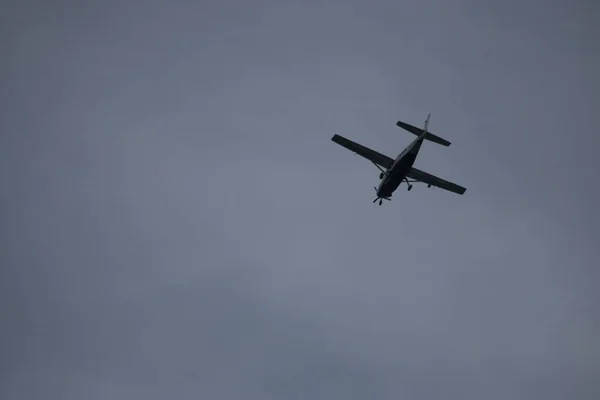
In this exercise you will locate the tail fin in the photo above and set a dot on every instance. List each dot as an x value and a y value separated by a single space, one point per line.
426 123
427 135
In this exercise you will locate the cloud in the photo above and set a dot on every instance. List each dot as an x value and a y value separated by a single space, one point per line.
177 222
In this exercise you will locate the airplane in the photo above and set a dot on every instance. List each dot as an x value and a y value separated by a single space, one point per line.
396 171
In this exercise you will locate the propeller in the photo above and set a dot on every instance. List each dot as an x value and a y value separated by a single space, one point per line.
380 198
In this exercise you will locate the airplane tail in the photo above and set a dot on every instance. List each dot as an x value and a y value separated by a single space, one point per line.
426 125
423 132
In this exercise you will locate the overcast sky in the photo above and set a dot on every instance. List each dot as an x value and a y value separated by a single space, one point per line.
177 224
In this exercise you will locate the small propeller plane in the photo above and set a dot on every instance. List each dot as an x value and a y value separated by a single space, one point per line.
394 172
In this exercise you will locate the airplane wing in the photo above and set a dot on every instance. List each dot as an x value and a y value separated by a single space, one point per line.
429 179
378 158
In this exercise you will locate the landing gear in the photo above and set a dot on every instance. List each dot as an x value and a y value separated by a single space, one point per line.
382 173
409 187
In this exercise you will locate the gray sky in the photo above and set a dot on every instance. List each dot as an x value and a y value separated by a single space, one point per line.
176 222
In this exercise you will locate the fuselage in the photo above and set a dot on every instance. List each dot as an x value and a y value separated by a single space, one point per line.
394 175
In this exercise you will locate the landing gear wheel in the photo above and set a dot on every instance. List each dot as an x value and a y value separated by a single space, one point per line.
409 187
381 175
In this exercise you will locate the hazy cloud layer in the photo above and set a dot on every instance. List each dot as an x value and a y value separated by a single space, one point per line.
177 224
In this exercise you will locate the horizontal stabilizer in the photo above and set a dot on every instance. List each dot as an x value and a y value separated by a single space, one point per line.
418 132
